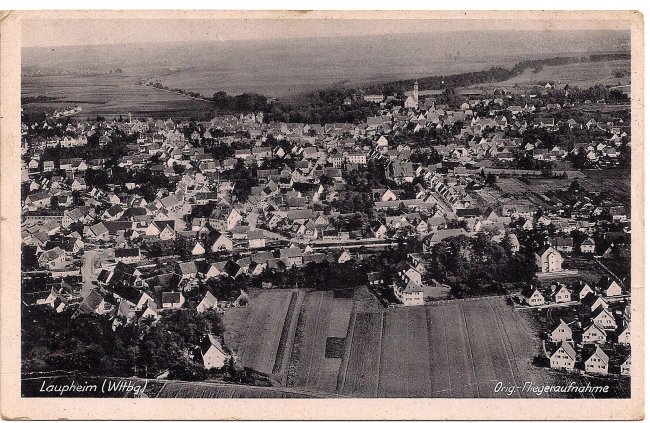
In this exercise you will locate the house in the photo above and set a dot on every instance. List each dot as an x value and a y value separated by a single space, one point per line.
604 318
532 296
598 362
172 300
213 353
208 302
94 302
127 255
608 287
187 269
222 243
52 259
594 302
626 365
408 293
198 249
256 239
549 260
291 256
583 290
562 332
623 336
562 244
564 357
163 229
378 230
345 256
594 334
588 246
560 294
234 217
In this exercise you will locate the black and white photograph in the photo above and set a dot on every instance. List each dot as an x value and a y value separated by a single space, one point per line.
345 207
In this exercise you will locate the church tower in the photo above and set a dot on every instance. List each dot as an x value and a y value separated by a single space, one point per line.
416 96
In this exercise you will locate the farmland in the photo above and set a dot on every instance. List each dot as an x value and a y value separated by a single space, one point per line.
459 349
254 332
109 96
453 349
322 317
581 74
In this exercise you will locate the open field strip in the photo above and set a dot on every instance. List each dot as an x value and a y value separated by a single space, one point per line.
254 332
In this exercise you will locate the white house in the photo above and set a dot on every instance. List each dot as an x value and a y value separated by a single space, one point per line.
549 260
564 357
594 334
408 293
532 296
208 302
598 362
213 353
562 332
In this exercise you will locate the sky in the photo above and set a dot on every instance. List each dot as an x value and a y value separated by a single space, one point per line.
76 32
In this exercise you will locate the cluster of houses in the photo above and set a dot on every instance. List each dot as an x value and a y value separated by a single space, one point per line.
288 216
593 334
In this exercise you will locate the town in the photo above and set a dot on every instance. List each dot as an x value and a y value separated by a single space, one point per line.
440 196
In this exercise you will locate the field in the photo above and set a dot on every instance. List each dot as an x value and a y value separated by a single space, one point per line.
451 350
456 350
217 390
581 75
322 317
616 182
254 332
109 96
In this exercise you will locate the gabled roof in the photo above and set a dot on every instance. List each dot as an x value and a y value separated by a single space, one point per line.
599 353
188 267
567 348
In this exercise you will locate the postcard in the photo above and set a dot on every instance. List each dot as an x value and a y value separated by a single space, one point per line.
322 215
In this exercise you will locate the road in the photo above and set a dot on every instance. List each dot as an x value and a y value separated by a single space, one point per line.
90 262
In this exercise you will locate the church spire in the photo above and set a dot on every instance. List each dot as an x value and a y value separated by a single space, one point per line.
416 95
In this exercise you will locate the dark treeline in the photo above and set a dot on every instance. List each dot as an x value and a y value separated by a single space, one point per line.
494 74
610 56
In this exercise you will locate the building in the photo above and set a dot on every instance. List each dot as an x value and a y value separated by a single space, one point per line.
127 255
604 318
172 300
588 246
213 353
560 294
408 293
598 362
626 365
564 357
594 334
532 296
562 332
549 260
208 302
609 287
